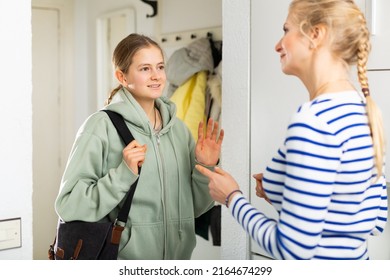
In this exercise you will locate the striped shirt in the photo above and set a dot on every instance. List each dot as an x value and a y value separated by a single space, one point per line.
322 182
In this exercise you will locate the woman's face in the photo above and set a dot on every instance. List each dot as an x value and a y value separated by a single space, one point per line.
294 49
146 75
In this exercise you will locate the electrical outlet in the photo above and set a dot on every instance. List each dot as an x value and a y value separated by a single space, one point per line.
10 233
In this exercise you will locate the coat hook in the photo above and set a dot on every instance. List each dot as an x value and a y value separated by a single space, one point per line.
163 40
193 36
178 38
153 4
209 35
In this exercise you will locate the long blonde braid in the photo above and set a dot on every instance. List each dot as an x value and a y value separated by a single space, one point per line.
373 112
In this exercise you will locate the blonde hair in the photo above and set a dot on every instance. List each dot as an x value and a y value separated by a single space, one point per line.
350 41
124 53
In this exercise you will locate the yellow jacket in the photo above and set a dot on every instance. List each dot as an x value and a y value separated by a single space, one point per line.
190 100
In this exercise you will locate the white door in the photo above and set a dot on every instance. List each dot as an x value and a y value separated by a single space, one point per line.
46 127
52 118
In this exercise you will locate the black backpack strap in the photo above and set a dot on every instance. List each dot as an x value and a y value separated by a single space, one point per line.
120 126
127 137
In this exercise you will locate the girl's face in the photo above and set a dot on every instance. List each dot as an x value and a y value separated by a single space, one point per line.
294 49
146 76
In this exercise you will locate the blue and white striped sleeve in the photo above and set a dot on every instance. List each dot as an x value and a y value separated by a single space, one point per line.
313 154
383 208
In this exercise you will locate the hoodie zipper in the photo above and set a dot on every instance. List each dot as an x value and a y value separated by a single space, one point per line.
163 194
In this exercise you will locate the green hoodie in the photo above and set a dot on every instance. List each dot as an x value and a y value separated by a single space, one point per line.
170 191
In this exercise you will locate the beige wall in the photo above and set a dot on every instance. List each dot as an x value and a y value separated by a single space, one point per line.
16 121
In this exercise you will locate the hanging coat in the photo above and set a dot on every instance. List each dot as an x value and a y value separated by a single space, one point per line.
190 100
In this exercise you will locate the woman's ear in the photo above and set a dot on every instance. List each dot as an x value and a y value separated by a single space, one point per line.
318 35
120 76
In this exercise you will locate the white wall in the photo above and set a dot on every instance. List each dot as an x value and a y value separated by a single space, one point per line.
236 116
16 121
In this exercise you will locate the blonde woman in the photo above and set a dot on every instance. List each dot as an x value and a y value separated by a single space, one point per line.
327 181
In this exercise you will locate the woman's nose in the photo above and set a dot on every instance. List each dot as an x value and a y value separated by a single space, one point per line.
278 46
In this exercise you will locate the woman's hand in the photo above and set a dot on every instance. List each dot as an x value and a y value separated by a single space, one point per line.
208 148
221 183
134 155
259 187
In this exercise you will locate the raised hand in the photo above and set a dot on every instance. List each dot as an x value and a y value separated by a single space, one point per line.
208 147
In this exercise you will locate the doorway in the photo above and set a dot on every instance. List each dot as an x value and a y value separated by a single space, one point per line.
52 118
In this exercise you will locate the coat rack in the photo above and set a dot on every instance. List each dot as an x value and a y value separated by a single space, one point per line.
185 37
153 4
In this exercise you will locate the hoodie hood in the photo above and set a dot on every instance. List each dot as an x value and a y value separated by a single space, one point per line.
123 99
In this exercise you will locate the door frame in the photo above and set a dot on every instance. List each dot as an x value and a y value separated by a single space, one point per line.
66 116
